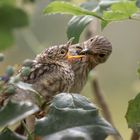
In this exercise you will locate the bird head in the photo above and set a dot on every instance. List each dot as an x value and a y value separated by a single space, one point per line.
96 50
57 53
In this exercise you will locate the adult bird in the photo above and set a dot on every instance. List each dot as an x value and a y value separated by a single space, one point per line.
96 50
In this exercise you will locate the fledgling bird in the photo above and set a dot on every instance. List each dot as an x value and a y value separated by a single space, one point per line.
51 72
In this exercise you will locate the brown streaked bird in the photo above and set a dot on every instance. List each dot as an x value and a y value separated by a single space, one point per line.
51 72
96 50
65 68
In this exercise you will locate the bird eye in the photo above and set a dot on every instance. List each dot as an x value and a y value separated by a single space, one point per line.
91 39
101 55
63 51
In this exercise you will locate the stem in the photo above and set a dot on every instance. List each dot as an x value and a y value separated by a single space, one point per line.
135 136
101 100
103 104
30 137
92 30
20 129
95 85
137 19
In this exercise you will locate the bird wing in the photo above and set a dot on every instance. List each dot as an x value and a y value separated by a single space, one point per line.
36 71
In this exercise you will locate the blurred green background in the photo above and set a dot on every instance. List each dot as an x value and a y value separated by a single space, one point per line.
117 77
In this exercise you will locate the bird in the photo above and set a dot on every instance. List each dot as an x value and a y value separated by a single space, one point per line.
51 72
96 50
62 68
65 68
76 60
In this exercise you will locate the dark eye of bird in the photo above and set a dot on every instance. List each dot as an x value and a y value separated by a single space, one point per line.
91 39
63 51
101 55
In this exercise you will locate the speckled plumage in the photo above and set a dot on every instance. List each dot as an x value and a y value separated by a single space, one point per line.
51 72
96 50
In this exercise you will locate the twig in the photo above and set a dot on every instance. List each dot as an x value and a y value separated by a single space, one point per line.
30 137
91 31
102 102
135 136
20 129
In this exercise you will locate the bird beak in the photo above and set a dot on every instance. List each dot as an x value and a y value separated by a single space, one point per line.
86 51
70 41
69 56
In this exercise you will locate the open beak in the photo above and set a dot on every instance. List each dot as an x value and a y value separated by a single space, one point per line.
69 56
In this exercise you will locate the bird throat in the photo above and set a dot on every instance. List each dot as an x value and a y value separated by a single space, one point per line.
81 70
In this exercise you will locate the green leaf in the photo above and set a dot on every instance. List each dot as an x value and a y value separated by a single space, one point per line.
67 8
81 133
24 86
104 24
12 17
7 2
105 4
73 112
7 134
76 26
13 112
138 3
133 114
120 11
6 39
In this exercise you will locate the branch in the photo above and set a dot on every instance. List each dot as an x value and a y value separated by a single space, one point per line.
101 100
103 104
91 31
135 136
